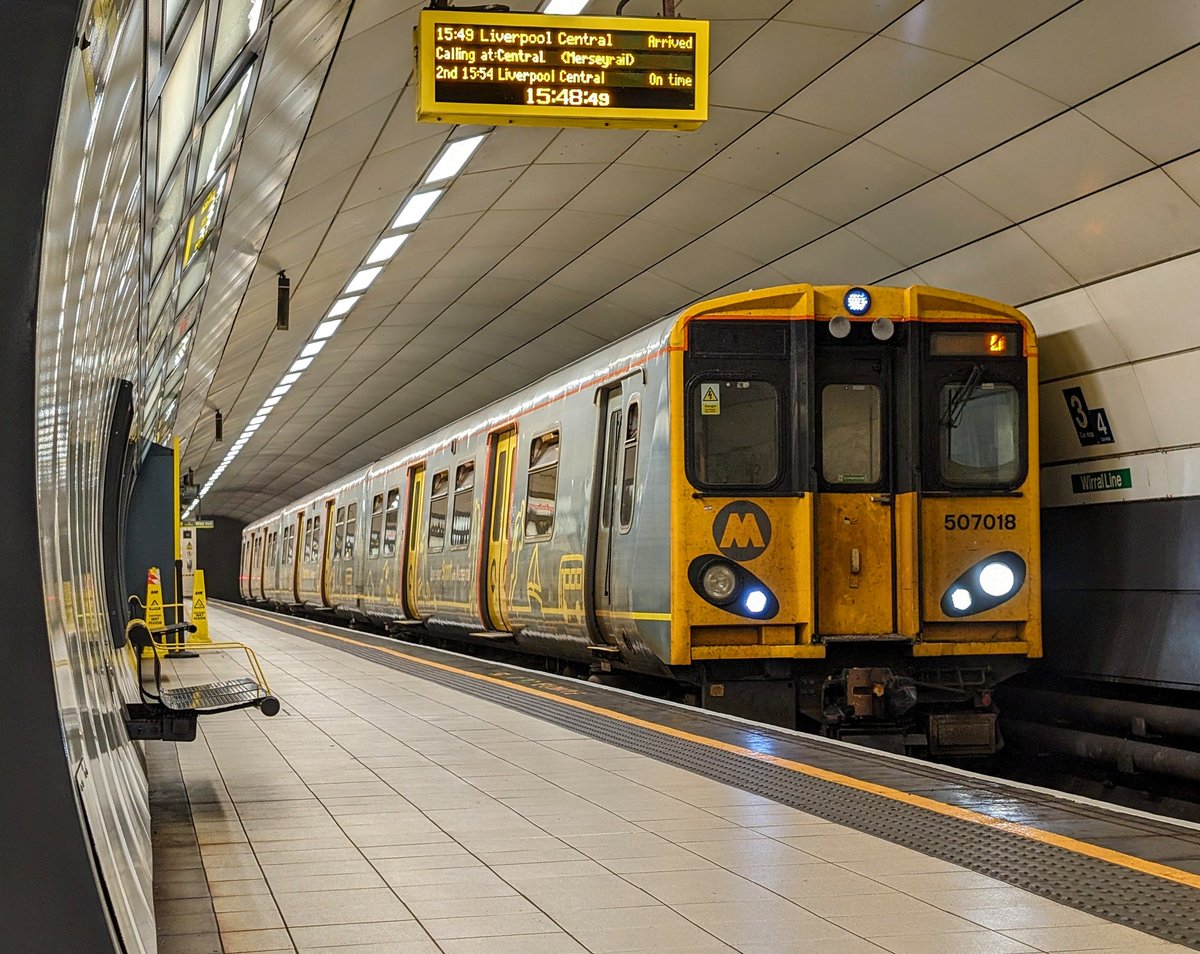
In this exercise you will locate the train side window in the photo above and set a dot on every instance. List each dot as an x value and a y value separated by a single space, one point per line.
464 500
316 543
980 427
289 545
629 465
339 532
735 433
439 500
498 514
610 470
851 434
308 538
392 522
376 526
351 528
542 491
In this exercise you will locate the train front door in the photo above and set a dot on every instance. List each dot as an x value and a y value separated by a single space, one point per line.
611 423
855 540
499 502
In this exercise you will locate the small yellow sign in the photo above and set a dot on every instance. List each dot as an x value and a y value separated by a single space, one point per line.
200 610
710 399
154 601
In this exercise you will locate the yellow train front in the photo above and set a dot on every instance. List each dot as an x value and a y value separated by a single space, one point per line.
855 513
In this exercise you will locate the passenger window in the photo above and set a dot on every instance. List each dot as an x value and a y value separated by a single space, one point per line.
339 532
351 529
376 526
439 497
307 540
541 493
980 433
316 543
291 546
735 433
464 499
851 434
498 515
629 465
393 520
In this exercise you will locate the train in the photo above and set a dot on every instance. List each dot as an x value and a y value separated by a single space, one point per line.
812 506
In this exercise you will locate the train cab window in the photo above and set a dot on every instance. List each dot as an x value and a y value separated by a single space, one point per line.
542 491
980 428
392 522
351 529
464 499
439 498
735 433
851 434
629 466
376 526
339 532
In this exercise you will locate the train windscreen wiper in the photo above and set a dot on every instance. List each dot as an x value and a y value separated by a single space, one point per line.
958 403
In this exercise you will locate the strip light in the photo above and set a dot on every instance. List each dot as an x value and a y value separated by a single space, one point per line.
449 163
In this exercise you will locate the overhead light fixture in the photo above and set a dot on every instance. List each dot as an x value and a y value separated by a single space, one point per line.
362 278
299 365
565 7
217 421
312 349
281 390
290 378
383 251
269 403
453 158
416 208
326 329
341 306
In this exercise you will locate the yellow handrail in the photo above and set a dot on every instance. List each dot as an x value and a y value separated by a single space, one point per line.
252 657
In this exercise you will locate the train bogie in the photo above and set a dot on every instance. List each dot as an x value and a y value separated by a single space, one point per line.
802 509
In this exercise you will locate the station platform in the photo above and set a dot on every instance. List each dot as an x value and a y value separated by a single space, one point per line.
414 801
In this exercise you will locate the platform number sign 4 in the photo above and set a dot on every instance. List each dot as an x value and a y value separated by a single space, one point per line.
1091 423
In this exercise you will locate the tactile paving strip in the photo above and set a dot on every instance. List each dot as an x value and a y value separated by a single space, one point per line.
1142 901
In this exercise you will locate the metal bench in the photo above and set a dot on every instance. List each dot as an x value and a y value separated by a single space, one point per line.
171 713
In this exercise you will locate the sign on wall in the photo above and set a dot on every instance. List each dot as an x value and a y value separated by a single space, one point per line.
1091 424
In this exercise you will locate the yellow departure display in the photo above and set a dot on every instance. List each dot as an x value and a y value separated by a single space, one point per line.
541 70
949 343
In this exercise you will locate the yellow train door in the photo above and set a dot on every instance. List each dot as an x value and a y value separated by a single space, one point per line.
326 549
499 502
416 488
855 539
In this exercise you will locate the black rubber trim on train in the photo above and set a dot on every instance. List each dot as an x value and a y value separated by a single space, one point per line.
1142 901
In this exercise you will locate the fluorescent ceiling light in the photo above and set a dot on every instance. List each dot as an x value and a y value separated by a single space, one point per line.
342 305
251 428
326 329
566 7
281 390
416 208
384 249
290 379
268 404
299 365
362 278
312 349
255 421
453 158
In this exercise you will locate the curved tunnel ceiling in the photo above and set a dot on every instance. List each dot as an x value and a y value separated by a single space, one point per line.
1041 152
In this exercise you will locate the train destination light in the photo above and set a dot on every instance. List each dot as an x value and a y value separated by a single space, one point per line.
540 70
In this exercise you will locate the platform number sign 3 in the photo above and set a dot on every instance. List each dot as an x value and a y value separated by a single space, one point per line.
1091 424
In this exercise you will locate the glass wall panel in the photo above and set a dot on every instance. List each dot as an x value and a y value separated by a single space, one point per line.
237 22
178 103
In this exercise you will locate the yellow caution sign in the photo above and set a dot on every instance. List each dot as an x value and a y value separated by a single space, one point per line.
199 610
154 601
710 398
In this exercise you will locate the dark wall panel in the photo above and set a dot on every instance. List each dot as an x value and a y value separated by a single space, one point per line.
220 556
48 881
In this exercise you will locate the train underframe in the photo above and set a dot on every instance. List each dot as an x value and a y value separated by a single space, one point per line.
877 695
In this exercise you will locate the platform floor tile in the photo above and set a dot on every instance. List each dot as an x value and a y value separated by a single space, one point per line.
379 813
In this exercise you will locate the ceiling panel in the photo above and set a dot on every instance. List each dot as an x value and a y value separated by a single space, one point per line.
1030 273
855 180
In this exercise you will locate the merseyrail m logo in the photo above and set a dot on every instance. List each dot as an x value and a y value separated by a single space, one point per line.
742 530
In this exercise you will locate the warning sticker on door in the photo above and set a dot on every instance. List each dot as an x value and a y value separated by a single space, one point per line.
710 398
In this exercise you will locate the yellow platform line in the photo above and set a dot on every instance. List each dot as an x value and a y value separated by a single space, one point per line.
1074 845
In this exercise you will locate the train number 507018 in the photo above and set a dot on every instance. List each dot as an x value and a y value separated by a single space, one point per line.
981 521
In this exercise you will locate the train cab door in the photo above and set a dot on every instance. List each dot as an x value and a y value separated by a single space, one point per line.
499 503
326 554
608 463
855 539
412 539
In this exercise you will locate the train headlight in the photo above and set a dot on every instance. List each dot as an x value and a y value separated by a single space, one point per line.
857 301
719 582
985 585
997 579
755 601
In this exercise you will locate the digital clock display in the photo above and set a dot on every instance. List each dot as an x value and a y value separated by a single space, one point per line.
534 69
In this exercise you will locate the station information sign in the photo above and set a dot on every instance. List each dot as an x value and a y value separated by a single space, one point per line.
545 70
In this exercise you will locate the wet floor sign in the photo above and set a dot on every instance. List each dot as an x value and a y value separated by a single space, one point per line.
199 610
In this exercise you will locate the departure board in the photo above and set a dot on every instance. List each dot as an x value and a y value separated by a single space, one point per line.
545 70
